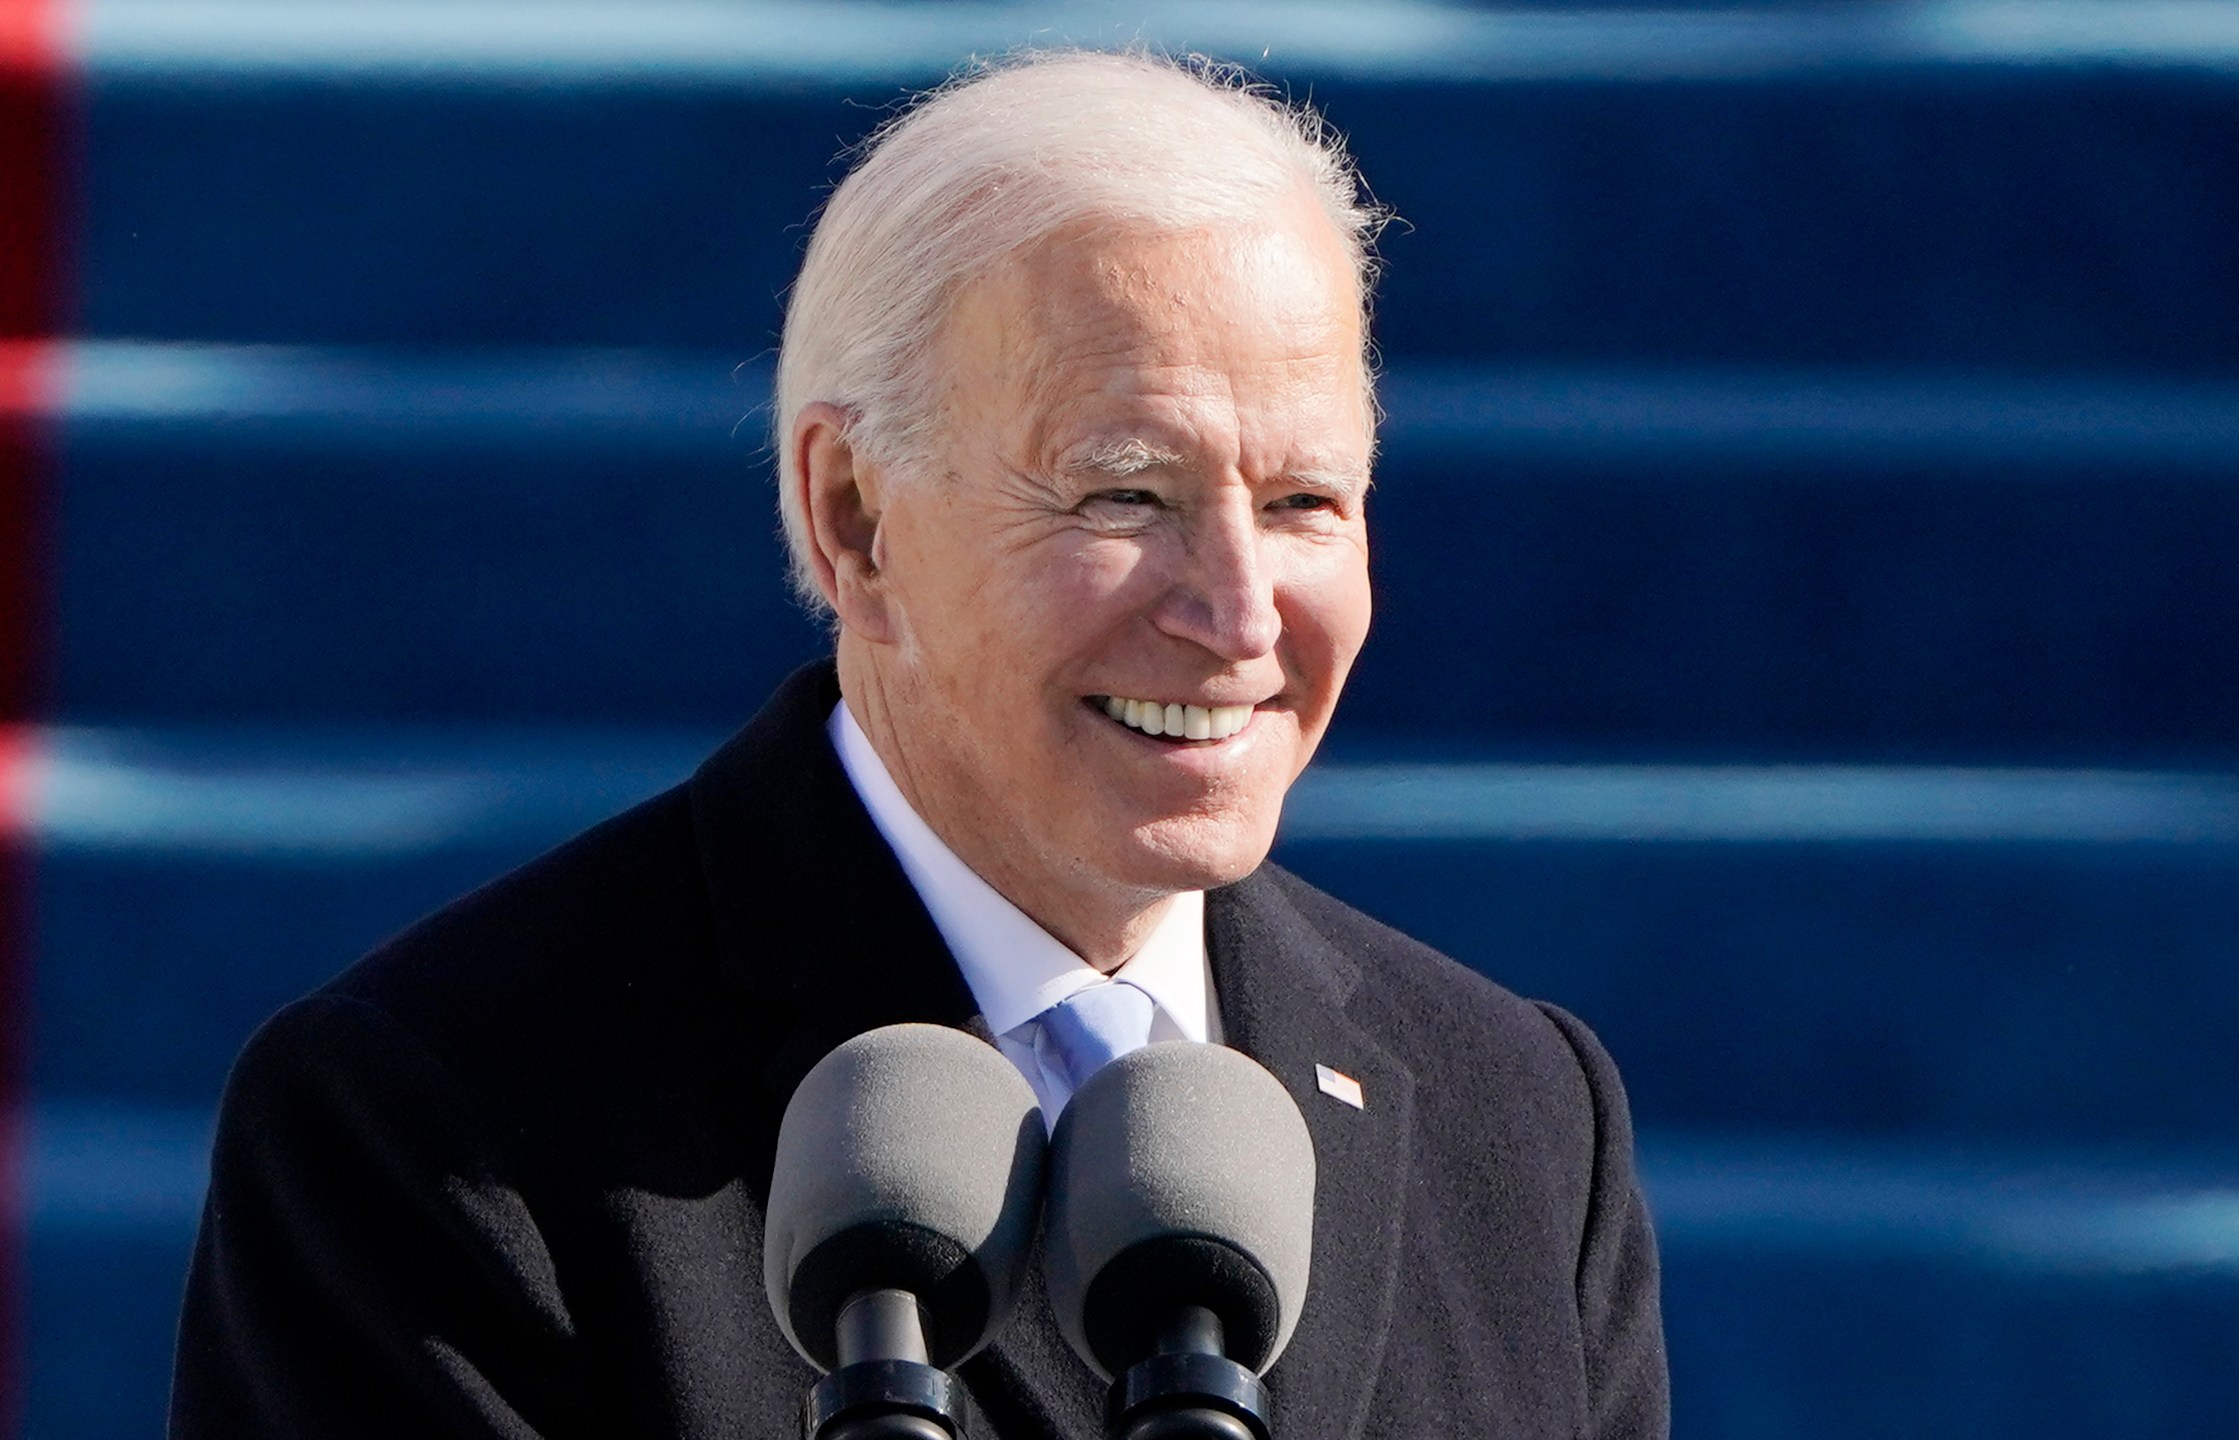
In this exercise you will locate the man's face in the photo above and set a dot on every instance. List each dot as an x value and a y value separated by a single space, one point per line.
1156 450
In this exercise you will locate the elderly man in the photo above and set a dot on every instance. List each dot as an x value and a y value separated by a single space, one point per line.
1075 434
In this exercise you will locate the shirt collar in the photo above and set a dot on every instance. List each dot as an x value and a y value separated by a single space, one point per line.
1014 967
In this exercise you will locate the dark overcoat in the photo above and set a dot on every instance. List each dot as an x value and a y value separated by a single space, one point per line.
505 1176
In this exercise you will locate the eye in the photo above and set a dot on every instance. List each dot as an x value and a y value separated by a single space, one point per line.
1304 500
1128 499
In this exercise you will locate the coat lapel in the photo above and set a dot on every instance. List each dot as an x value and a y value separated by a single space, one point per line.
1283 990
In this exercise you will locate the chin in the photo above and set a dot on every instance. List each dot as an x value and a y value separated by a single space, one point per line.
1192 853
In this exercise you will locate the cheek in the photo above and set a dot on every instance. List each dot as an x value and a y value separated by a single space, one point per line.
1031 623
1113 571
1072 598
1328 612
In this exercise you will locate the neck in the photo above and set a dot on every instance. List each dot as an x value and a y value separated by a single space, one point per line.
1103 923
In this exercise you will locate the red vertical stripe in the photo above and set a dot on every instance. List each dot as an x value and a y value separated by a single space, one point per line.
33 119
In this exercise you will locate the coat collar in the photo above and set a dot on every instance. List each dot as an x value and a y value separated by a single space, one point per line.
816 922
813 916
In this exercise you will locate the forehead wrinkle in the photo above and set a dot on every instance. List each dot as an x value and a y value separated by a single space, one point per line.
1065 382
1067 353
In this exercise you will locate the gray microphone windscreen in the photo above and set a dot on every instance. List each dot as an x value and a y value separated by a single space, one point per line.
910 1158
1180 1174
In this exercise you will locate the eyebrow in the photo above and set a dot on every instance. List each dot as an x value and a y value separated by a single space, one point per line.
1343 481
1118 459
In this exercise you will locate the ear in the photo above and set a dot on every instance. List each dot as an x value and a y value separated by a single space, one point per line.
840 496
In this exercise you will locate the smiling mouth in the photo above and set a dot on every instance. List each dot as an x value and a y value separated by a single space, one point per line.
1174 721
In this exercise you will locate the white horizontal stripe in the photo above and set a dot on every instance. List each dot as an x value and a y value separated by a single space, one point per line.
373 795
171 381
120 1168
1629 414
108 1166
1671 414
706 40
2032 1212
1811 803
370 796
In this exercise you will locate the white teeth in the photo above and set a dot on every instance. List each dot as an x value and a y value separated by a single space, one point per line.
1189 722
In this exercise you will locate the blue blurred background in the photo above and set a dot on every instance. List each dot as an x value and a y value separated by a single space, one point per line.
1808 558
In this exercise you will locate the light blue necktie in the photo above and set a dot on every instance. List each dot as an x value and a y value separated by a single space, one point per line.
1094 1026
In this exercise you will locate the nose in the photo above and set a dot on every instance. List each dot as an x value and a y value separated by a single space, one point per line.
1223 599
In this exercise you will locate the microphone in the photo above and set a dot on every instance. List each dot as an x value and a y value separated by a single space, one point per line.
901 1214
1177 1234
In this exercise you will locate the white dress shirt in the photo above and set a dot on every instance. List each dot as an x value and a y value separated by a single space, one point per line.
1014 967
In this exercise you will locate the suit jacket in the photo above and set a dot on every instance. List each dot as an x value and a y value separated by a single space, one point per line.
505 1176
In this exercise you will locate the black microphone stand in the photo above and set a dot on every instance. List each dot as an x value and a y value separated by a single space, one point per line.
1188 1389
883 1388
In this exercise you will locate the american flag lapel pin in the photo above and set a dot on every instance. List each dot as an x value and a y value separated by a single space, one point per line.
1339 1086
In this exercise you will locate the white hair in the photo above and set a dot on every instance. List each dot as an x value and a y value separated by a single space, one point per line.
1001 157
